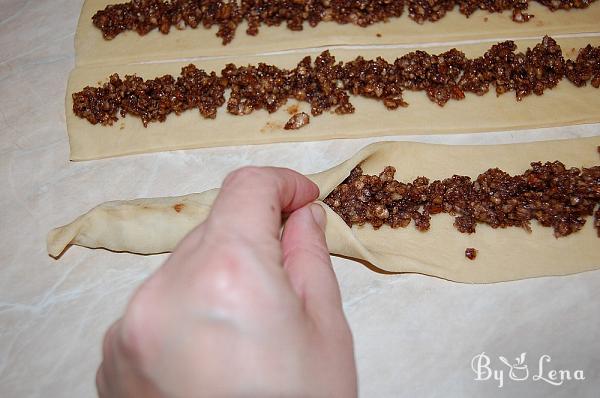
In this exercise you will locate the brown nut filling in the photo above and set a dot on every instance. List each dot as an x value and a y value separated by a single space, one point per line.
554 195
585 68
297 121
471 253
151 100
327 84
144 16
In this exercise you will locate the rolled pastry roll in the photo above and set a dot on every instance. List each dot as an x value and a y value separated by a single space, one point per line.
149 226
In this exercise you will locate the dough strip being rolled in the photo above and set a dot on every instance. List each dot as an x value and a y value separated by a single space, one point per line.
149 226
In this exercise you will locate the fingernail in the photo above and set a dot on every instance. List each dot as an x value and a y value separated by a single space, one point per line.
319 215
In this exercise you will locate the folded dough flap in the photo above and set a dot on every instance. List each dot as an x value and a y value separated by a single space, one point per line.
144 226
503 254
156 225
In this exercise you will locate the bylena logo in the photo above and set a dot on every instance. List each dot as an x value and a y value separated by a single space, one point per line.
519 370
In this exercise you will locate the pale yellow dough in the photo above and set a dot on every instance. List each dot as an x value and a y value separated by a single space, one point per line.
563 105
504 254
91 48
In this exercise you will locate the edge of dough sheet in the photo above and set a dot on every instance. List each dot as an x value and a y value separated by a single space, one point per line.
563 105
504 254
91 48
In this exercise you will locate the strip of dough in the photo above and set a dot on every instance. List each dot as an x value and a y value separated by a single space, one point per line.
563 105
91 48
156 225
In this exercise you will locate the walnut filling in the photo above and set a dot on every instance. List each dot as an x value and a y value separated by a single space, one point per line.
550 193
144 16
326 84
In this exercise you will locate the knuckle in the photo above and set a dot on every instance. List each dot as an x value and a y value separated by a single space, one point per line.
244 174
235 280
229 269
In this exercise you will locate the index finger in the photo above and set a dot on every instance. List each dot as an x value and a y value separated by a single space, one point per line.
252 199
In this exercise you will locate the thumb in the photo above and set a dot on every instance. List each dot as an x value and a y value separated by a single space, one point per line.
307 262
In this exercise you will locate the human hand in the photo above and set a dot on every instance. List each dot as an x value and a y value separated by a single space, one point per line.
237 310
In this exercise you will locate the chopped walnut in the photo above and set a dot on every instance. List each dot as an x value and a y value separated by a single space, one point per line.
297 121
471 253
